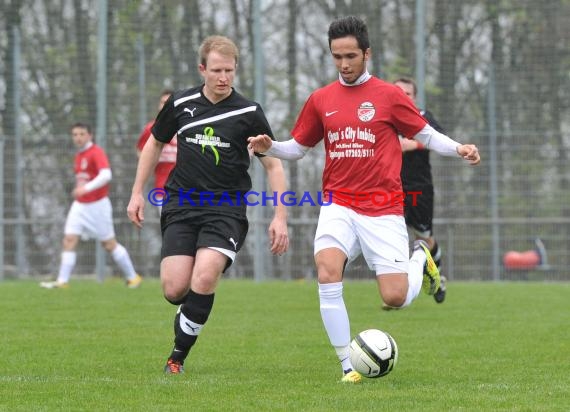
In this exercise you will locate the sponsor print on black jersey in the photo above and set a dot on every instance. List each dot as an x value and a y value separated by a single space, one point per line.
209 139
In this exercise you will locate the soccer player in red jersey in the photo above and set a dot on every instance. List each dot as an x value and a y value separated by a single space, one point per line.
91 213
359 117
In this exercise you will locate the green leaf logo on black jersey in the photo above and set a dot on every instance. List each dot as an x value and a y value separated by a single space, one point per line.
208 135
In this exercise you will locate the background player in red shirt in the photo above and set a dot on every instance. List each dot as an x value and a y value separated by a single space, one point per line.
91 213
359 118
167 158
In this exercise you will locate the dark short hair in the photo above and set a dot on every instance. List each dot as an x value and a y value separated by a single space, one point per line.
81 125
408 80
350 26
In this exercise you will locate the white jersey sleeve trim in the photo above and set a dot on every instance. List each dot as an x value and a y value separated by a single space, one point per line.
100 180
288 150
436 141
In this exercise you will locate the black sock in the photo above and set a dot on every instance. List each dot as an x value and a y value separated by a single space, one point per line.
196 309
177 316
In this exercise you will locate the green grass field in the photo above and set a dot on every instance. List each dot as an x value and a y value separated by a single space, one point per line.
102 347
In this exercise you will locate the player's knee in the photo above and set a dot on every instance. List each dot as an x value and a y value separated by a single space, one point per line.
173 289
109 245
174 298
69 242
175 292
328 274
393 289
394 298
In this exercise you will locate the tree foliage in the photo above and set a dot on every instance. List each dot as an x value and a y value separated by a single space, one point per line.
152 45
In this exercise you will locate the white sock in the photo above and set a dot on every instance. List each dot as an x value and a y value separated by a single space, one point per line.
415 276
335 320
66 266
343 354
123 260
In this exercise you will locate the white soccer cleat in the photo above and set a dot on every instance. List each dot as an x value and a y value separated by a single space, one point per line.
54 285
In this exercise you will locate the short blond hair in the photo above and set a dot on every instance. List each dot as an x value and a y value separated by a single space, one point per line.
221 44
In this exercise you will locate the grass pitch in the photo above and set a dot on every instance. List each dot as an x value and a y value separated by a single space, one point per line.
102 347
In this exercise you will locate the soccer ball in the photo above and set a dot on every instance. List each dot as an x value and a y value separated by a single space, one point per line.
373 353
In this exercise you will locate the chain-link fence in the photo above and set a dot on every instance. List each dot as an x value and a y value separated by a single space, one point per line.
495 73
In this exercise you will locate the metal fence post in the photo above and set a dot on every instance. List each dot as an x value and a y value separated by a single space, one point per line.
2 209
493 174
260 264
101 129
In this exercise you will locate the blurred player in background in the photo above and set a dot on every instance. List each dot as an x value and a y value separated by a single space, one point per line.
167 158
91 213
200 239
416 177
359 117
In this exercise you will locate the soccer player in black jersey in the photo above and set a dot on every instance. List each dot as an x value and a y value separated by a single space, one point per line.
416 177
203 218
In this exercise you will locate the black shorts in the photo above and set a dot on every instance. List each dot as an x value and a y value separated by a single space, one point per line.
419 216
185 237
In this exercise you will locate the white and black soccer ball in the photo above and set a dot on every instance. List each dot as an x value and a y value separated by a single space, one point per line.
373 353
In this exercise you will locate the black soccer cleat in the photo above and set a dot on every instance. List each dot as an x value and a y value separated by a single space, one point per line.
440 293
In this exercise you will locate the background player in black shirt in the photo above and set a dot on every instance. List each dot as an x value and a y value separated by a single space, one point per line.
204 222
416 177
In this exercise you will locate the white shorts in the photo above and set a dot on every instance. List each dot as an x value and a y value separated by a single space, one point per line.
91 220
382 240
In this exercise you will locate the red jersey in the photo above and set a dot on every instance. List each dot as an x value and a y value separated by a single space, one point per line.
88 163
167 159
360 127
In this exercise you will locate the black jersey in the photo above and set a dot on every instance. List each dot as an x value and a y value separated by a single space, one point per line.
416 169
212 159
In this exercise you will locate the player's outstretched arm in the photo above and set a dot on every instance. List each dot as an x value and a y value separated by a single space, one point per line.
446 146
287 150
